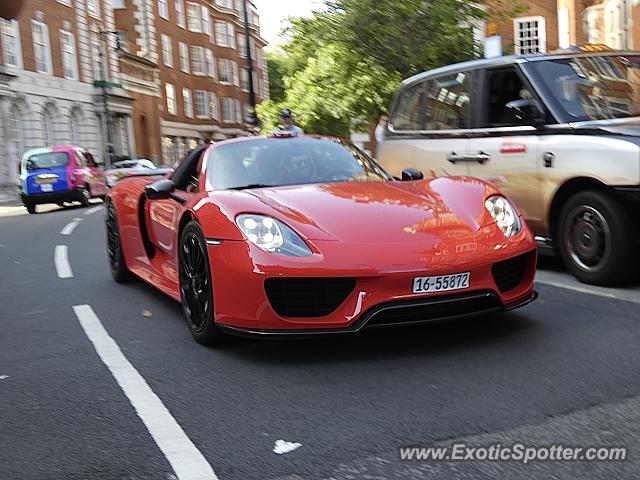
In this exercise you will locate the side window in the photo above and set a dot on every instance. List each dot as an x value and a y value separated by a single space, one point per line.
503 85
447 103
80 160
90 161
408 112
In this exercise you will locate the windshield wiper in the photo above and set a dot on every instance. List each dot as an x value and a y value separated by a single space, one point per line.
253 185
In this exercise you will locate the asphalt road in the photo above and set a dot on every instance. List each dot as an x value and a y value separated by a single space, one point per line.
562 370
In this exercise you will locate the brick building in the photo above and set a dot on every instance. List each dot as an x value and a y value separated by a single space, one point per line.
546 25
200 81
154 77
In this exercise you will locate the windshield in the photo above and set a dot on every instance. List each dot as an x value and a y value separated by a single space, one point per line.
592 88
47 160
267 162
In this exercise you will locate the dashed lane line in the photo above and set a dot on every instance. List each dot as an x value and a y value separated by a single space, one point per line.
93 210
70 227
185 459
61 261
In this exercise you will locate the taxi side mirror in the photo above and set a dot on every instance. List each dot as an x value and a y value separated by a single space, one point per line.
526 112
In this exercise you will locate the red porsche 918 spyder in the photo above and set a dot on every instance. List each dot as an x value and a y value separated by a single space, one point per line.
308 235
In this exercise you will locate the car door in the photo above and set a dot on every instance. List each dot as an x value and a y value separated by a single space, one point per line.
503 151
429 127
94 176
163 216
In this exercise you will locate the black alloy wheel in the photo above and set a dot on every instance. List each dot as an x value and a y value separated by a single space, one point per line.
117 265
196 289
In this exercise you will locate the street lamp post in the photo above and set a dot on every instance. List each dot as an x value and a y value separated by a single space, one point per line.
252 118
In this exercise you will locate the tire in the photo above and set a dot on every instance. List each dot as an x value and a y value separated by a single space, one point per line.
115 255
31 208
196 288
591 224
85 196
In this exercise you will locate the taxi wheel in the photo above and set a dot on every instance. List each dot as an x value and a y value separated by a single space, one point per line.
85 196
117 264
596 238
31 208
196 289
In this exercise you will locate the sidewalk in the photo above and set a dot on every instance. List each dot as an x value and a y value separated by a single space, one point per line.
9 197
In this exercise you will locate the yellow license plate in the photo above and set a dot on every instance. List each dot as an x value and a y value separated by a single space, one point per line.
52 179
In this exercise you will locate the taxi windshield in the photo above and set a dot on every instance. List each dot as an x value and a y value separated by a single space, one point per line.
47 160
267 162
592 87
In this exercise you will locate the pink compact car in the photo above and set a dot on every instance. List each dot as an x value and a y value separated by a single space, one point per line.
58 175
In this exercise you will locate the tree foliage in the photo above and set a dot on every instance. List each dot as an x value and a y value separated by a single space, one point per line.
344 64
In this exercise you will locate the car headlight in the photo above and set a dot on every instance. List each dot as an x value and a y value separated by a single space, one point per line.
272 235
504 214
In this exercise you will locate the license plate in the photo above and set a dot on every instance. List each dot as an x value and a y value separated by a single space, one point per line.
47 187
442 283
47 179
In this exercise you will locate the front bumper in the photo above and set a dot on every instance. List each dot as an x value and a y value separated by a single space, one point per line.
53 197
239 271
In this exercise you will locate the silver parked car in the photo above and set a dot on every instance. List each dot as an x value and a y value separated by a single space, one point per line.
126 168
559 134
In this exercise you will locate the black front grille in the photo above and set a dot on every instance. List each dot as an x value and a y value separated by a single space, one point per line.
307 297
508 274
437 308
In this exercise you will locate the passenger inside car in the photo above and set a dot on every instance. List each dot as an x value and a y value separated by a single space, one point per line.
505 86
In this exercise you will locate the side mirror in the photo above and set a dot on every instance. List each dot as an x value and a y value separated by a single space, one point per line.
159 190
526 112
409 174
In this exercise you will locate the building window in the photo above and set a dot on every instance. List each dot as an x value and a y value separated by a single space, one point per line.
241 41
194 20
225 4
228 71
65 2
98 71
75 124
210 65
118 4
202 104
252 47
93 7
69 65
41 49
188 102
228 110
225 34
197 60
180 18
167 50
11 43
244 80
183 50
530 35
206 21
213 106
170 90
163 9
48 122
16 133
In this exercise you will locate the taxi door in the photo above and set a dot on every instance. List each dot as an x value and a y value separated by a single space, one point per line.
504 153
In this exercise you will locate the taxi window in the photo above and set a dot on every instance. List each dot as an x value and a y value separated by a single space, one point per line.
447 102
503 85
409 110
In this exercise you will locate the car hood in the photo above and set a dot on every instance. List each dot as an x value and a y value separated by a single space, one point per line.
372 212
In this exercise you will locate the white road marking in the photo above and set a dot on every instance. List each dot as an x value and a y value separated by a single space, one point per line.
563 280
185 459
61 261
70 227
93 210
281 447
4 377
